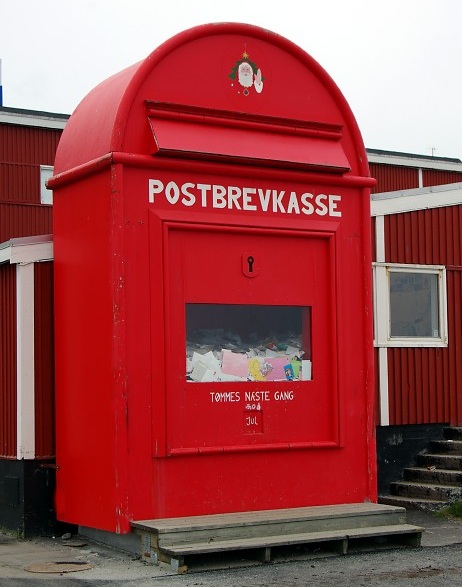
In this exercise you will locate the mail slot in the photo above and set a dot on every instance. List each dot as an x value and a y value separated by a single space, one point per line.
212 287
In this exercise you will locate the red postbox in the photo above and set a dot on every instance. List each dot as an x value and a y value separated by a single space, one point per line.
213 291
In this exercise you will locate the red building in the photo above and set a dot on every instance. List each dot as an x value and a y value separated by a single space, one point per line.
28 142
396 171
416 227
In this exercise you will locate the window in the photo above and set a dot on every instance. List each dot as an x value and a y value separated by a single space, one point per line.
46 195
226 342
410 305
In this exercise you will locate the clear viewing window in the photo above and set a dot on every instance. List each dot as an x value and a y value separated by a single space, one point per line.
410 305
227 342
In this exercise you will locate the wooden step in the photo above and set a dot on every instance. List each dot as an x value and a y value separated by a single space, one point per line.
271 522
261 548
305 538
171 540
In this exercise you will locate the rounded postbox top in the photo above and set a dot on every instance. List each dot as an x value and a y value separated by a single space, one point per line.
226 75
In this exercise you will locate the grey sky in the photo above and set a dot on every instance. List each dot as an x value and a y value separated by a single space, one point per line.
397 62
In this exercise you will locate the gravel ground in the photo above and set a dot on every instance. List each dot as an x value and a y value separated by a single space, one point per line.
437 563
435 567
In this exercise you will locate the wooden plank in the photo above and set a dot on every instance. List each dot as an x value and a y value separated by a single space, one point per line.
393 530
250 543
264 516
409 535
224 526
176 550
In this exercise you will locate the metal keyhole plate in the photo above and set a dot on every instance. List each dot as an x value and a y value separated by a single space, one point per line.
249 264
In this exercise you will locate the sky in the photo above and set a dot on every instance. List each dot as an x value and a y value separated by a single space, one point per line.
397 62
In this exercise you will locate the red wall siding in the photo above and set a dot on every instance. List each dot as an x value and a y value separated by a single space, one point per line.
20 183
433 177
425 385
8 360
22 150
18 220
393 178
373 240
44 361
390 178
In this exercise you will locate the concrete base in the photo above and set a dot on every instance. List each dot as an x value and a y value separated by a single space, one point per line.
398 447
27 499
129 543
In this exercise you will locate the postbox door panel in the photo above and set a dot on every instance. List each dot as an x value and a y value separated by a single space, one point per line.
250 340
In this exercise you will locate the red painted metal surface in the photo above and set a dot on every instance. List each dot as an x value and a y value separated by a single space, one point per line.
7 361
425 384
391 178
44 361
288 143
138 237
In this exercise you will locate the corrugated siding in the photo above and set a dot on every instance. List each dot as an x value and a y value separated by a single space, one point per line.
22 150
18 220
8 361
425 385
430 236
433 177
390 178
422 386
373 240
20 182
44 361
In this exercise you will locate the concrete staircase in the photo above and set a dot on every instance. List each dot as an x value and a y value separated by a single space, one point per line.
260 536
436 479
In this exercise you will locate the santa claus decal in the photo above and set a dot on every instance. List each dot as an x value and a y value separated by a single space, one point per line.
248 74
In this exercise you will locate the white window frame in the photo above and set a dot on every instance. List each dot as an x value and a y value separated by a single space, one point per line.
46 195
382 322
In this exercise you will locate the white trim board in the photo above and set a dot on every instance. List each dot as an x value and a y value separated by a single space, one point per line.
27 250
401 160
24 253
44 120
416 199
25 362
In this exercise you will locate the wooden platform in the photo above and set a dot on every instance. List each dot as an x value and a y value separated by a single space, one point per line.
178 541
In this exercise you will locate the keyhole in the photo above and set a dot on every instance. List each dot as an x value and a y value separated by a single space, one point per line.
250 261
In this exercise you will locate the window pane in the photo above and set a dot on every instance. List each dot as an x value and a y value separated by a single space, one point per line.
413 304
46 195
247 343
